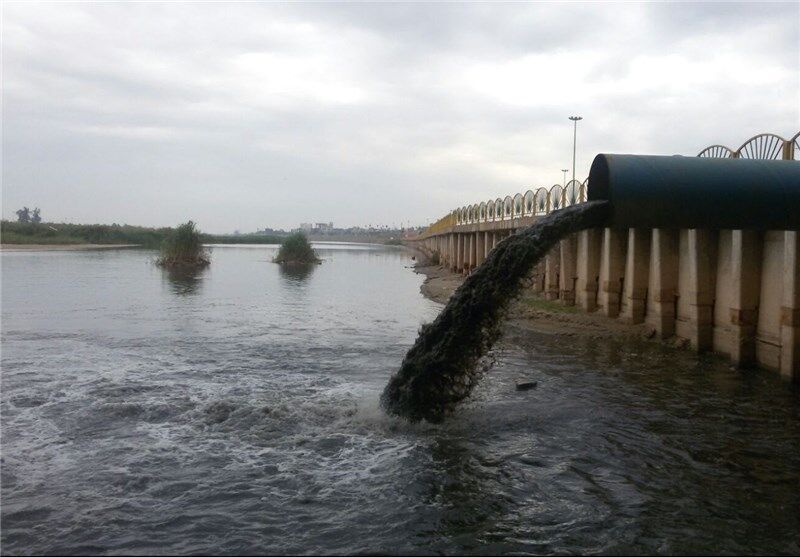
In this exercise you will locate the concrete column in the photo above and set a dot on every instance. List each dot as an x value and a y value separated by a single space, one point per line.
450 251
744 281
459 253
771 299
568 269
612 270
453 248
473 255
538 274
467 254
480 250
637 268
697 287
790 308
552 260
663 281
487 244
589 247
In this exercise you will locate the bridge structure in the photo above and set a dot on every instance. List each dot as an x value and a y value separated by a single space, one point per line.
735 292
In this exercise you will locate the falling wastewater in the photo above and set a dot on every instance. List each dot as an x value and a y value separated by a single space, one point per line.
444 364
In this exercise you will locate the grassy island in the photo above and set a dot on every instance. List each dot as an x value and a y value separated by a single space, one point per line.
296 250
183 248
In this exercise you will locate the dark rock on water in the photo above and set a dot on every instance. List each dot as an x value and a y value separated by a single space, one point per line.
441 368
527 385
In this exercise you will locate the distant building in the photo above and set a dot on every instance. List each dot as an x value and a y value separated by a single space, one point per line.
306 226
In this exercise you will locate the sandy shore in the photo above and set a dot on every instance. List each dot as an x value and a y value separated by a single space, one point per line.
62 247
530 312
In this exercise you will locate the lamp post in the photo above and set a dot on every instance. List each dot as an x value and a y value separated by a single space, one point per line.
565 170
574 141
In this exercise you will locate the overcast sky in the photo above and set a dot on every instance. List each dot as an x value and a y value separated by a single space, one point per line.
247 115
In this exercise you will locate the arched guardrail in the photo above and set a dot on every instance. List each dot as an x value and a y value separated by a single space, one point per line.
541 201
762 146
529 207
717 152
572 193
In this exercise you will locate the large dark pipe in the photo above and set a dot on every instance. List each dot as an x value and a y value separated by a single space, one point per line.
695 192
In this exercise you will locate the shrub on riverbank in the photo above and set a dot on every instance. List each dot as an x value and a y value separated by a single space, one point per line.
183 247
63 233
296 249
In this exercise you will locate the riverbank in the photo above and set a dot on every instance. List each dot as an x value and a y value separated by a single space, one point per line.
531 312
66 234
63 247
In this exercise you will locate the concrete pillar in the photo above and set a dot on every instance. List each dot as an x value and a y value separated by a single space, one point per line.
480 250
790 308
552 261
663 281
771 299
451 251
637 268
744 282
487 244
473 255
697 287
459 253
537 276
612 270
589 247
467 254
568 269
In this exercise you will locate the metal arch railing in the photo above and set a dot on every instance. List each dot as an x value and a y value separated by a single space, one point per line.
556 197
572 193
528 199
518 208
508 207
762 146
541 201
717 152
767 146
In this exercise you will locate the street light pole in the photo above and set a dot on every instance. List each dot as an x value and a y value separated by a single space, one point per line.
565 170
574 141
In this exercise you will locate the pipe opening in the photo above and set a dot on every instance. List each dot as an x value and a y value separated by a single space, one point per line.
598 188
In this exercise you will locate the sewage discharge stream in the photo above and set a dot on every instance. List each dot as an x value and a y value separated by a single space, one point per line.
444 364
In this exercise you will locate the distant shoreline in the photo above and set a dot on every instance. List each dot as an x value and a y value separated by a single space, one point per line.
79 247
63 247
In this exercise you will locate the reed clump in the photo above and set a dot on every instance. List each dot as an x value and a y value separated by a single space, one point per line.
183 247
296 250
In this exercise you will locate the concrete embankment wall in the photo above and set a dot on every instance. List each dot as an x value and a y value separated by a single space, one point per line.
734 292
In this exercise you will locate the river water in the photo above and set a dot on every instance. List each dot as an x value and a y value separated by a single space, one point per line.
236 411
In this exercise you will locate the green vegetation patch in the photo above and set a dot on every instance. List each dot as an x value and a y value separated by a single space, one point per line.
53 233
296 249
63 233
183 247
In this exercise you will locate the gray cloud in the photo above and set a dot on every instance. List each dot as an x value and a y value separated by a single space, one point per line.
252 115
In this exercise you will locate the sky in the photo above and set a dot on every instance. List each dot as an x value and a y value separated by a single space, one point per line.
242 116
